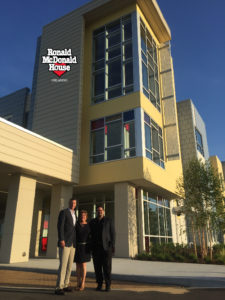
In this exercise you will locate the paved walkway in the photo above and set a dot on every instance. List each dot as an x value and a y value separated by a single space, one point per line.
163 273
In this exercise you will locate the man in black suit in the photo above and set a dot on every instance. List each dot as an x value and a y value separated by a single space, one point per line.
103 247
66 243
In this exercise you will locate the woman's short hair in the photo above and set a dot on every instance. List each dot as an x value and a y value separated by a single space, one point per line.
83 211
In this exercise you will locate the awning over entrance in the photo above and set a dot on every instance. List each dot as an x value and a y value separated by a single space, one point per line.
22 151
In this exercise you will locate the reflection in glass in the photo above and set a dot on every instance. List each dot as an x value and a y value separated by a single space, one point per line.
153 216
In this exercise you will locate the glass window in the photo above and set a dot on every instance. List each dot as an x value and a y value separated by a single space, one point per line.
161 221
97 141
99 65
143 41
114 52
99 47
129 73
113 137
145 76
97 124
114 72
113 153
114 39
113 133
129 135
146 218
112 60
128 115
147 118
157 219
114 26
128 52
148 137
153 141
99 83
113 118
168 222
114 92
128 30
153 216
150 77
199 142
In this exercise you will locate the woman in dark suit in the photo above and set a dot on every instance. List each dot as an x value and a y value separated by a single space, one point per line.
82 254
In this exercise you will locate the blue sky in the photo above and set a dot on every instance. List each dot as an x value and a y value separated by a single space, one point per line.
198 49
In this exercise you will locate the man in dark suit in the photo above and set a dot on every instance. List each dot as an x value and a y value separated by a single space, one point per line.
103 247
66 243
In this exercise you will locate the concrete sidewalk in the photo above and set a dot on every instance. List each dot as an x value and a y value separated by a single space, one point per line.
163 273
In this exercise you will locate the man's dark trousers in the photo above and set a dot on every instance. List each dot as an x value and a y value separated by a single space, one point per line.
102 261
103 244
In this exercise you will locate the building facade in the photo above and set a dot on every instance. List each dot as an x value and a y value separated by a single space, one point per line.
192 131
114 115
16 106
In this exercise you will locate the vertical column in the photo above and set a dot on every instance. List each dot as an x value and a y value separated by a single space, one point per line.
59 200
36 226
141 224
18 220
125 220
137 75
169 103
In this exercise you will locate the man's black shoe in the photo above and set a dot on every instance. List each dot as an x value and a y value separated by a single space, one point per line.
59 292
108 288
98 288
68 289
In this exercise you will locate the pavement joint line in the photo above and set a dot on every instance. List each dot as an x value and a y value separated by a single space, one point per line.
26 288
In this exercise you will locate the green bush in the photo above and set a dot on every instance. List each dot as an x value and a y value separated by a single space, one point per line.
181 253
143 256
192 258
207 260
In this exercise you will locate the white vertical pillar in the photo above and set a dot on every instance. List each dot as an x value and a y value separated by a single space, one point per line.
59 200
36 225
18 219
125 220
141 225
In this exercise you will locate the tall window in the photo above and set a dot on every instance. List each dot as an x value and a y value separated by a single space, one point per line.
153 141
112 60
157 219
199 142
150 76
113 137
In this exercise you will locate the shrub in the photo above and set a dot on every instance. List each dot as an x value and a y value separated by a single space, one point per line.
220 259
143 256
181 253
207 260
192 258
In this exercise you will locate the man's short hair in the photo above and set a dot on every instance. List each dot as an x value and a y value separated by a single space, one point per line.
72 198
99 207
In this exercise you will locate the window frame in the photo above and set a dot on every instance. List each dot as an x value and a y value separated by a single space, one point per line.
149 153
149 199
200 147
122 144
150 62
124 89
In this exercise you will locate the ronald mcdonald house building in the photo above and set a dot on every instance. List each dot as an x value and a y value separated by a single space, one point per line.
101 122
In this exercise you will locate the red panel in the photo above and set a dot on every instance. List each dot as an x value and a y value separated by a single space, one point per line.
44 242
